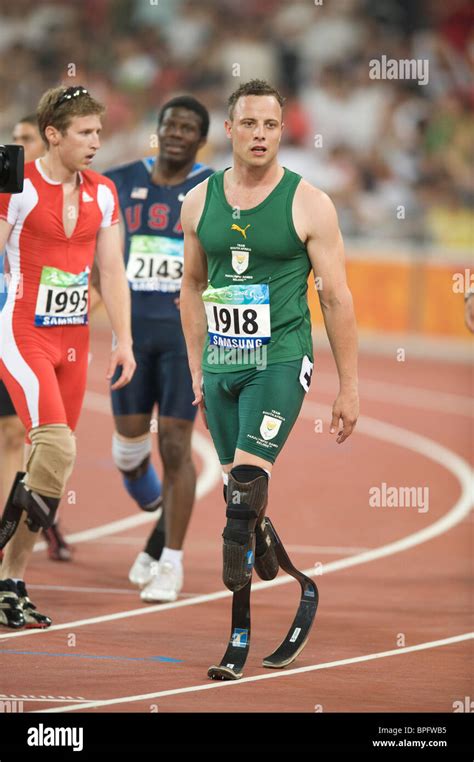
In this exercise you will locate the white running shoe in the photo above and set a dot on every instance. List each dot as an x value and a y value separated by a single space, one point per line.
165 584
141 572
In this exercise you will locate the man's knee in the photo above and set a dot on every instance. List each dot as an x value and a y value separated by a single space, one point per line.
131 455
132 458
51 460
175 449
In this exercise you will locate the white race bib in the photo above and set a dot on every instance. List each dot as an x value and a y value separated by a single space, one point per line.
63 298
238 316
155 263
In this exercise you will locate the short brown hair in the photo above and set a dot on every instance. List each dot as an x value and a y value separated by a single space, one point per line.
49 112
253 87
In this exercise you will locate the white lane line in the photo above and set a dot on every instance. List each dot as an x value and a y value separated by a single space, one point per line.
324 550
43 699
49 700
85 589
386 432
155 609
328 550
107 590
266 676
396 394
119 540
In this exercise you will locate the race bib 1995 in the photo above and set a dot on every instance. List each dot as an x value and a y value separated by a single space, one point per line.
238 316
62 298
155 263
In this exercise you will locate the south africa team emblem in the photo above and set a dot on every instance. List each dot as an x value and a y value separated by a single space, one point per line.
240 260
269 427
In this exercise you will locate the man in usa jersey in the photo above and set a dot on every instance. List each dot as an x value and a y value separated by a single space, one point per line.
151 192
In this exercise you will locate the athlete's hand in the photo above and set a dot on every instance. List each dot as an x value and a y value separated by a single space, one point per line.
199 396
346 407
121 355
177 302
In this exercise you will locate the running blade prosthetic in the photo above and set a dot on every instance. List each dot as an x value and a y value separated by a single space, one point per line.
232 664
298 634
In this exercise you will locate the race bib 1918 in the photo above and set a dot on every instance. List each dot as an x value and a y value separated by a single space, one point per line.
62 298
238 316
155 263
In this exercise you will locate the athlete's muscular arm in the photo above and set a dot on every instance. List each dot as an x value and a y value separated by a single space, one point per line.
316 223
193 315
95 289
116 296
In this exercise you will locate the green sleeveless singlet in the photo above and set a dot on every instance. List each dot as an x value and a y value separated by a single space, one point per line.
257 280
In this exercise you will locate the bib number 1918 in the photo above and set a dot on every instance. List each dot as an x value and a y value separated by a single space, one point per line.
230 320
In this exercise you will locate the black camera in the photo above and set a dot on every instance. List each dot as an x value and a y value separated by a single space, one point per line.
12 164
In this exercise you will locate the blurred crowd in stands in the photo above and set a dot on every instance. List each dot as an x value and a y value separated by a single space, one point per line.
394 154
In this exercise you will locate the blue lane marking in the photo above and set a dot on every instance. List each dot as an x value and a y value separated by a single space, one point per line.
93 656
163 658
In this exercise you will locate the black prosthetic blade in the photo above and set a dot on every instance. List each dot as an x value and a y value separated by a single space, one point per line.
300 629
232 664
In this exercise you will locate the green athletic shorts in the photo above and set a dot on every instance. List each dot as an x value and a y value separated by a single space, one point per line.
254 410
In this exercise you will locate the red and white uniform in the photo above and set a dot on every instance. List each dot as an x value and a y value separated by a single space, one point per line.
44 332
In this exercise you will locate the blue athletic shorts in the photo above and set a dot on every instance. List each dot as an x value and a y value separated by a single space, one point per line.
162 376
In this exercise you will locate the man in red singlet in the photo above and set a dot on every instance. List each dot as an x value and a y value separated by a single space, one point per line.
65 215
12 433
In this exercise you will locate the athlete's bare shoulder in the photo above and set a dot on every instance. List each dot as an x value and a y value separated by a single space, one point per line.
314 198
193 206
313 211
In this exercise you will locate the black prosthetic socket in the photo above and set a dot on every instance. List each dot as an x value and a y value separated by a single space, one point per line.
41 510
11 513
246 496
266 562
260 545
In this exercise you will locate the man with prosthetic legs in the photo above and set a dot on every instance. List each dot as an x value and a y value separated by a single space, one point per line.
252 235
